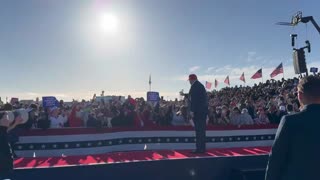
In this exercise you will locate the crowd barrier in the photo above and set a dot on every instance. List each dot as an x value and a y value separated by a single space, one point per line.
85 141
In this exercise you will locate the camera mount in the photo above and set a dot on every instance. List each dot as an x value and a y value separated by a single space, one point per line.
297 18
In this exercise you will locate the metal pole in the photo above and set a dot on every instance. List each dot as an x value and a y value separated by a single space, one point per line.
262 75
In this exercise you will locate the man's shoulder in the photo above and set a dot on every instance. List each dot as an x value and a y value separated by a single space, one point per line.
200 85
197 83
295 118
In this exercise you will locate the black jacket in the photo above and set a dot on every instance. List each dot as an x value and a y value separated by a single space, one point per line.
295 152
198 98
6 158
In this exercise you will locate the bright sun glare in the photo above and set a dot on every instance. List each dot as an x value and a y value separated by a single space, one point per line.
109 23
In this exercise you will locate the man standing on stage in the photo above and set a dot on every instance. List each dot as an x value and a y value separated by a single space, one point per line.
295 152
198 111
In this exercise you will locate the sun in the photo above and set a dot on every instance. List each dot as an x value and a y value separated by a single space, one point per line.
109 23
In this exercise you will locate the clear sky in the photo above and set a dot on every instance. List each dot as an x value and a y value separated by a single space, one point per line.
67 49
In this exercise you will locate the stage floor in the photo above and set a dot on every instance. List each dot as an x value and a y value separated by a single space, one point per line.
134 156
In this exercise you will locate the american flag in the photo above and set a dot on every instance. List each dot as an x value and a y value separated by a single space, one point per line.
227 81
277 71
242 77
215 83
208 85
257 75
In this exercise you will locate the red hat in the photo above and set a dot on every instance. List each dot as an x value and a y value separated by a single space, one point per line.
193 77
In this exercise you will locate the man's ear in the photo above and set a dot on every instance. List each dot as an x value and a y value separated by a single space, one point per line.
301 96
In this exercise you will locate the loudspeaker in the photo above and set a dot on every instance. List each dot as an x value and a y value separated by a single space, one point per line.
299 61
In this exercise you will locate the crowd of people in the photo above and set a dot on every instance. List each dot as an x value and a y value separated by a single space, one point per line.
264 103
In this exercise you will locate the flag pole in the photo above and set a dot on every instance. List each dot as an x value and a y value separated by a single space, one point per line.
262 75
282 71
244 80
150 82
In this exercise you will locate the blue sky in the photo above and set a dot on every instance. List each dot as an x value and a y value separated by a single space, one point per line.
57 47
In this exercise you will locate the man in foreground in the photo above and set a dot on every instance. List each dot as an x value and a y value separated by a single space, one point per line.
295 152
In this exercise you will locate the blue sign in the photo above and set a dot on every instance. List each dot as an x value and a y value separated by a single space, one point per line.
50 101
313 69
153 96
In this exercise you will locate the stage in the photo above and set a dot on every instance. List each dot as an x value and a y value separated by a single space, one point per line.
225 163
143 153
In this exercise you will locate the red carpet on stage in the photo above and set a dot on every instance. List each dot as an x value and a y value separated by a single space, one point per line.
134 156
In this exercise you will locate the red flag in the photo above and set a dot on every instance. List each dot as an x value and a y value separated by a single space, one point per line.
277 71
257 75
227 80
208 85
242 77
215 83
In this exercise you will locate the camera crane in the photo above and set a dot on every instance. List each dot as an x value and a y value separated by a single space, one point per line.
299 59
297 18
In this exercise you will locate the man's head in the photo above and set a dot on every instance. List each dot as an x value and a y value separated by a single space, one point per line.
192 78
236 111
244 111
308 90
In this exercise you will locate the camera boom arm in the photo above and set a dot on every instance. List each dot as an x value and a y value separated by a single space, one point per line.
310 18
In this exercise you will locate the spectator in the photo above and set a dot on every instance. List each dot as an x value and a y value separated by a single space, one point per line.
245 119
235 116
74 118
147 117
262 117
180 117
273 114
212 115
225 116
92 121
43 121
56 120
282 111
290 109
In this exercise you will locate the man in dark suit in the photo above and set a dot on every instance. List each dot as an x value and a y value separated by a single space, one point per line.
198 111
295 152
